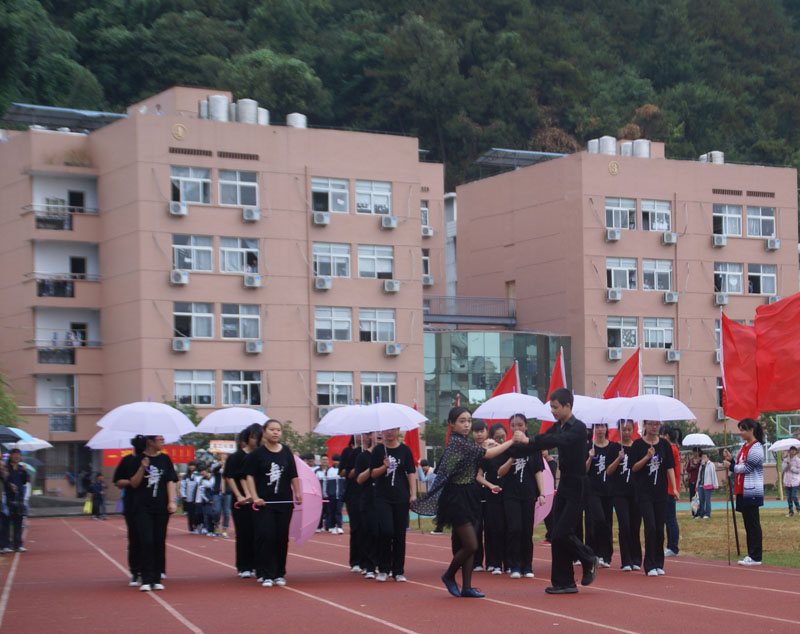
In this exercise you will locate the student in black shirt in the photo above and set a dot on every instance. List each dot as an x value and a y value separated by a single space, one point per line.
494 515
249 439
122 480
601 464
368 551
628 518
352 493
154 491
271 478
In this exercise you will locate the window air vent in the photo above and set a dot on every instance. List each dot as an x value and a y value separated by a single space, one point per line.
727 192
761 194
190 151
237 155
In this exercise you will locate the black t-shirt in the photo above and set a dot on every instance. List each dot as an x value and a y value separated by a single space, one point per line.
234 469
520 481
622 481
124 471
392 486
651 480
151 494
367 489
490 467
348 463
273 473
603 456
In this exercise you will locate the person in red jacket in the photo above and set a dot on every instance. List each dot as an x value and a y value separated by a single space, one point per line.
671 435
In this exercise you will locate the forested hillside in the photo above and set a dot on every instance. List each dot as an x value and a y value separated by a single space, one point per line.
463 75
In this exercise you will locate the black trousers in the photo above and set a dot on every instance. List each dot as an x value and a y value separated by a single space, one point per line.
566 547
245 537
392 526
519 533
654 516
692 491
353 503
188 508
271 525
134 548
495 534
479 531
752 526
600 525
369 535
152 531
629 522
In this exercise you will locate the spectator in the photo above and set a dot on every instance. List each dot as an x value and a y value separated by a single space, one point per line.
4 519
672 435
425 474
791 479
97 491
15 484
706 482
321 472
692 467
334 490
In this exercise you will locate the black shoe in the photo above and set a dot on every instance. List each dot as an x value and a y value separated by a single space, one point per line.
472 592
562 589
451 585
589 571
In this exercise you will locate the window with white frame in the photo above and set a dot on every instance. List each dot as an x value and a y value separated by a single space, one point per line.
241 321
656 215
718 330
330 194
426 261
424 213
621 273
190 185
620 213
664 385
761 222
719 391
657 275
761 279
331 259
375 261
239 189
373 197
334 388
193 320
241 387
376 324
658 333
622 332
238 255
192 253
378 387
194 387
727 220
727 277
333 324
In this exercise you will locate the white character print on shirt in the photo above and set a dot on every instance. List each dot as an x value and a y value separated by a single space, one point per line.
625 471
153 478
655 463
601 466
274 475
392 468
519 467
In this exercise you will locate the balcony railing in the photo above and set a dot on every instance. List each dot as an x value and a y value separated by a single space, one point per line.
450 309
59 284
62 422
56 217
57 356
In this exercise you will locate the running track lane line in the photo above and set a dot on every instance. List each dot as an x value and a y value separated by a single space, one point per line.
7 587
182 619
388 624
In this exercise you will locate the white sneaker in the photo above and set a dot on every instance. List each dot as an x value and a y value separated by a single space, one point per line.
280 581
369 575
497 571
652 573
747 561
22 549
145 587
635 567
158 586
382 576
340 530
706 517
134 582
400 578
670 553
660 571
163 575
245 574
603 563
355 568
477 569
626 569
515 575
267 583
529 575
318 530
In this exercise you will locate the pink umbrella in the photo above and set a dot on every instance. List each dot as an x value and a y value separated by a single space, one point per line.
540 512
306 516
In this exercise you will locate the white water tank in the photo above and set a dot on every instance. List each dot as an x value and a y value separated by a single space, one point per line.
63 129
218 107
247 110
626 148
202 109
232 111
703 158
593 146
608 145
263 116
296 120
641 148
718 158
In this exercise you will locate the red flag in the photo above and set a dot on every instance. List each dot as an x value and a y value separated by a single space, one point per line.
738 363
778 355
336 444
508 384
624 383
411 438
557 380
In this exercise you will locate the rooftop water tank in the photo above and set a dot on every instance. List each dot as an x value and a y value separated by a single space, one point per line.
202 109
296 120
718 158
63 129
218 107
232 112
593 146
247 110
703 158
263 116
608 145
626 148
641 148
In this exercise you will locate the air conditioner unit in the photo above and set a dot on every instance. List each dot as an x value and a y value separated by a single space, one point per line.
670 297
773 244
393 349
613 295
324 347
321 411
717 356
181 344
321 218
720 299
613 235
323 283
719 241
178 209
773 298
673 356
389 222
720 413
427 231
427 280
251 280
669 238
391 286
253 347
614 354
251 214
178 277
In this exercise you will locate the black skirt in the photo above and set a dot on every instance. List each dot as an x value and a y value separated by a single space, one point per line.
459 504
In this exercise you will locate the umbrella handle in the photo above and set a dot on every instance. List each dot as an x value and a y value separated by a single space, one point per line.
255 508
236 505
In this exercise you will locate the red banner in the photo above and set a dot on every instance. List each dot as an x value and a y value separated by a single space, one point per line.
179 454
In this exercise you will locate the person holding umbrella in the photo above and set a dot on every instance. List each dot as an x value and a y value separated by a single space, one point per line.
122 480
16 481
628 518
249 439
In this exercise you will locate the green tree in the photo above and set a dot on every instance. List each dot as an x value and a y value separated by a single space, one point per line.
308 442
9 410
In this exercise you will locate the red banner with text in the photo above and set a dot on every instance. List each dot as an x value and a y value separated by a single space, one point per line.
179 454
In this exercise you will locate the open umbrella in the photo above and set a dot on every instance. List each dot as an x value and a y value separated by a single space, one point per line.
784 444
230 420
697 440
110 439
338 421
35 444
148 419
650 407
6 435
589 410
540 512
305 517
506 405
383 416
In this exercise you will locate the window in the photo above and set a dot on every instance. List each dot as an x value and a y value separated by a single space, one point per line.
378 387
658 333
239 189
334 388
727 277
620 213
656 215
374 261
331 259
621 273
424 213
727 220
718 330
333 324
719 391
375 324
238 255
761 222
241 321
241 387
192 253
194 387
193 320
664 385
761 279
330 194
373 197
426 261
623 332
190 185
657 275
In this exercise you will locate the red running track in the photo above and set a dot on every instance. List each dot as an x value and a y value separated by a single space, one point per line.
74 579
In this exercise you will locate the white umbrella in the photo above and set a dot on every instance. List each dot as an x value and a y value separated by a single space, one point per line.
591 411
697 440
110 439
506 405
148 419
337 421
230 420
29 445
364 419
784 444
651 407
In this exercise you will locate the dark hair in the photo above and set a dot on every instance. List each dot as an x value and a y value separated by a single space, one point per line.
517 415
423 463
749 423
493 429
14 450
307 456
273 420
336 456
673 433
478 424
453 414
253 431
139 443
563 396
703 453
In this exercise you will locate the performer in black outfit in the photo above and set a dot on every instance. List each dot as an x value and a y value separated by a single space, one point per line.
628 518
122 480
604 457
